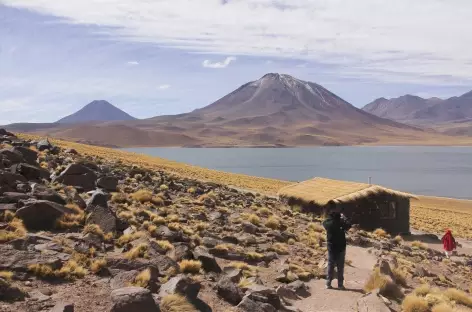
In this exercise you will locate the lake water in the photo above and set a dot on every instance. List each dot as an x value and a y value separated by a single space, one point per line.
438 171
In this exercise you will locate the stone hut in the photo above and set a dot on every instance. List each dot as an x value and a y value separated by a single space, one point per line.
369 206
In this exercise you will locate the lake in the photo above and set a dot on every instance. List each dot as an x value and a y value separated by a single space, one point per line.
437 171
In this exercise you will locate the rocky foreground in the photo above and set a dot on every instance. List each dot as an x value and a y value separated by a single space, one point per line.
81 233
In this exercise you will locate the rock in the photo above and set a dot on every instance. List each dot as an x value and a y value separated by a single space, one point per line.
300 288
133 299
250 305
78 175
11 207
286 293
180 252
210 242
11 156
10 180
71 151
384 268
265 294
371 302
98 198
9 292
43 193
234 274
230 240
163 232
44 144
123 279
108 183
103 217
41 214
249 228
28 154
6 133
63 307
229 291
30 172
209 263
182 285
36 295
13 197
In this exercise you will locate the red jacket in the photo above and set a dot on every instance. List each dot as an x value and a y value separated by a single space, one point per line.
448 241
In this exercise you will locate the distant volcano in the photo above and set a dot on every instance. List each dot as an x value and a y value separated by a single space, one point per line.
97 111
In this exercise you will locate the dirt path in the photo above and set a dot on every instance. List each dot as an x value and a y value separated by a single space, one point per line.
323 300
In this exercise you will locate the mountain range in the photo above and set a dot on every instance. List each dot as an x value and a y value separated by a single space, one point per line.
416 110
275 110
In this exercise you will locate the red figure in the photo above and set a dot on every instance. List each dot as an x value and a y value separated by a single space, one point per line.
449 242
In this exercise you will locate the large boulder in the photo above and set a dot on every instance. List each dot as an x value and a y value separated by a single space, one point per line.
28 154
30 172
10 180
79 176
248 304
6 133
108 183
209 263
123 279
98 198
11 156
133 299
103 217
41 214
16 260
181 285
229 291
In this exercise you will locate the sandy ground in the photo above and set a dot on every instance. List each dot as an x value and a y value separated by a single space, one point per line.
324 300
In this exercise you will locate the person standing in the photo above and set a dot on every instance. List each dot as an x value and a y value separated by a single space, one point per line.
336 225
449 243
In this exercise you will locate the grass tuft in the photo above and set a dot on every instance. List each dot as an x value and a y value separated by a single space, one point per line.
176 303
140 251
143 278
459 296
273 223
142 196
381 233
98 265
414 303
190 266
387 287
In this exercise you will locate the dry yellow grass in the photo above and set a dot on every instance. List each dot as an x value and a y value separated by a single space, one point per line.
273 223
279 248
190 266
143 278
255 256
143 196
413 303
459 297
6 275
140 251
386 286
381 233
98 265
166 245
176 303
430 214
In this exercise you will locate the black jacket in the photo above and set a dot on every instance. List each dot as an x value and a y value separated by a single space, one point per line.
336 229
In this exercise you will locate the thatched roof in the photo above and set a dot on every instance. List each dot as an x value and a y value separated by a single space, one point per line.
322 191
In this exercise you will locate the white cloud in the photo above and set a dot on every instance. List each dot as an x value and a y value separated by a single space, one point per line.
420 38
224 64
164 87
133 63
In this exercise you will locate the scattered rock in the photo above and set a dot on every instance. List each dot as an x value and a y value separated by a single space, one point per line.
43 145
209 263
133 299
229 291
182 285
28 154
43 193
249 228
41 214
78 175
108 183
233 274
103 217
63 307
123 279
371 302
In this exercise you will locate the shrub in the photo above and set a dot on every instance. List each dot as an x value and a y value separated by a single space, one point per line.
422 290
166 245
254 219
386 286
174 226
273 223
7 275
443 307
41 270
398 239
14 230
459 297
140 251
93 229
98 265
158 220
190 266
71 270
316 227
191 190
279 248
399 276
126 238
381 233
120 198
163 187
413 303
173 218
176 303
142 196
240 265
143 278
158 201
254 256
419 245
264 212
244 283
7 216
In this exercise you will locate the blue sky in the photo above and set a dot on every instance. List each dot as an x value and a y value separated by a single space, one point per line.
166 57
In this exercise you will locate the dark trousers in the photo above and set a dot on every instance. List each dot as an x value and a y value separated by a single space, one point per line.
336 260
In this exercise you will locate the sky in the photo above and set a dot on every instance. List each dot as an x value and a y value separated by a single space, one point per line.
164 57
